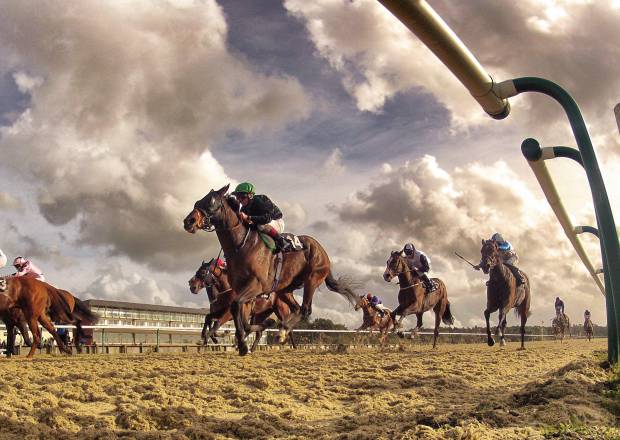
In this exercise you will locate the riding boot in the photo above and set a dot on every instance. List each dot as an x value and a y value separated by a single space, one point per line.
516 273
281 243
428 285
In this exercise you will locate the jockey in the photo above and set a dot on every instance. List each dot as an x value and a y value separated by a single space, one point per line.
3 259
419 263
586 315
261 211
26 269
509 257
376 303
559 306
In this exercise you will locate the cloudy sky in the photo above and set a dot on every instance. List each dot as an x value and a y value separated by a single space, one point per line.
116 116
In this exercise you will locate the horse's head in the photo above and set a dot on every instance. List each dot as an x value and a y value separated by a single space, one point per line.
206 211
361 303
395 265
490 255
203 277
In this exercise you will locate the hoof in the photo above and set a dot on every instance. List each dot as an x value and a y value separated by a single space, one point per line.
520 348
243 349
401 335
490 342
502 342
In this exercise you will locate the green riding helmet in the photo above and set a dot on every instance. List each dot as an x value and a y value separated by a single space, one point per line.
244 188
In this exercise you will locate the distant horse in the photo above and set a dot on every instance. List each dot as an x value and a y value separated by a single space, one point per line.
588 327
502 292
560 325
215 280
36 300
412 296
372 319
252 265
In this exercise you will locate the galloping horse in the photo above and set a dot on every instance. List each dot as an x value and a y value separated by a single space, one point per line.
215 280
412 296
561 324
63 308
252 266
372 319
34 298
502 292
588 327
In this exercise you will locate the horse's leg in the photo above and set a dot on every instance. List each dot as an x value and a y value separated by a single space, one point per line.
205 328
258 334
47 324
10 338
241 326
33 324
523 315
291 339
310 285
438 314
23 329
487 316
501 324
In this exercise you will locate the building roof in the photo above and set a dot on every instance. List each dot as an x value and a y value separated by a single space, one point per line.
147 307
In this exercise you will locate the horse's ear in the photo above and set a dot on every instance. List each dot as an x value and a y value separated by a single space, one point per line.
223 190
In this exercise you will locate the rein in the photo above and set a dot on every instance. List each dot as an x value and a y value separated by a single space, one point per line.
212 227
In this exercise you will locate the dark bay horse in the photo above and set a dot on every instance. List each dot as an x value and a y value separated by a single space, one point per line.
215 280
372 319
252 265
412 296
37 301
502 292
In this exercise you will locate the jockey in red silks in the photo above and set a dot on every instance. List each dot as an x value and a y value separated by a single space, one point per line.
26 269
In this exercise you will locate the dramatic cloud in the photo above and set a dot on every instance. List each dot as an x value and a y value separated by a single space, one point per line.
124 102
9 202
572 43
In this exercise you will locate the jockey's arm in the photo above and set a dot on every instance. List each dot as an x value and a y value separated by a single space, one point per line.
424 266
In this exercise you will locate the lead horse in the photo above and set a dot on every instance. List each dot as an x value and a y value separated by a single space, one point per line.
503 293
412 296
252 265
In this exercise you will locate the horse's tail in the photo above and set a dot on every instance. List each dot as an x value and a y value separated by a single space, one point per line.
342 285
83 312
447 317
60 309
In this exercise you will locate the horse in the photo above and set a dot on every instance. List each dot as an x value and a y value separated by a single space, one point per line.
502 292
252 266
412 296
372 319
560 324
588 328
215 280
36 300
63 308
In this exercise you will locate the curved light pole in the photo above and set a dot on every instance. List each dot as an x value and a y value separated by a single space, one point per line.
423 21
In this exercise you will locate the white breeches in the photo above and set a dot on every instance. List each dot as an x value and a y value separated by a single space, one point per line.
278 225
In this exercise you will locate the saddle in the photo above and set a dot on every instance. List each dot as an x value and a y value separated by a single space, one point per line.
294 243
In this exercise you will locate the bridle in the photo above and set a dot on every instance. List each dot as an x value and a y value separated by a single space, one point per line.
208 278
395 274
208 225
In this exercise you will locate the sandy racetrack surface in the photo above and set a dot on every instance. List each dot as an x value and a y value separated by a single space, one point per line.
457 391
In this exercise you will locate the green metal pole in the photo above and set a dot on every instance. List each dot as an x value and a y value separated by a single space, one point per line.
610 247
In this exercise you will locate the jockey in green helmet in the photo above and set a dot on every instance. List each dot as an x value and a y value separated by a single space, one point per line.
258 209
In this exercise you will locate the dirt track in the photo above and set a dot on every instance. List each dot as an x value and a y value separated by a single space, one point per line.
456 391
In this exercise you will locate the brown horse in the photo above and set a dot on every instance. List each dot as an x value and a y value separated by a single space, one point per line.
560 325
36 300
412 296
502 292
252 266
215 280
372 319
588 328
